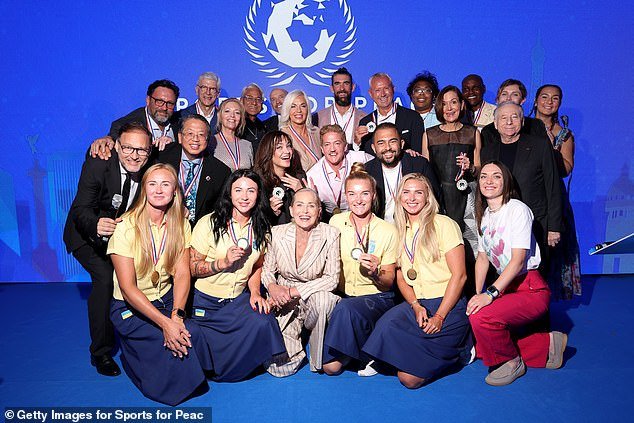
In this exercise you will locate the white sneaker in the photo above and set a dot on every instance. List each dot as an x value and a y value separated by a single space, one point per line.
368 371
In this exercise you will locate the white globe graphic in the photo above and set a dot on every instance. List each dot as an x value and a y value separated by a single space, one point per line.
287 37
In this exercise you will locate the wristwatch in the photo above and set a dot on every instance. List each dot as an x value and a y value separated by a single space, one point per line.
493 292
179 312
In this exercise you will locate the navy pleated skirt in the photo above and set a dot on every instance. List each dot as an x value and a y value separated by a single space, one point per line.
400 342
240 340
352 322
152 368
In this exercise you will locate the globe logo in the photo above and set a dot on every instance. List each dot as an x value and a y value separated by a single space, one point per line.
288 38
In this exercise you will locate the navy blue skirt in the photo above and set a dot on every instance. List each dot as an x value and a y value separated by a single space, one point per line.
352 322
240 340
152 368
400 342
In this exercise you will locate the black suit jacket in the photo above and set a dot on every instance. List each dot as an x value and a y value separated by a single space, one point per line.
409 124
212 178
191 110
536 179
409 165
138 115
99 181
531 126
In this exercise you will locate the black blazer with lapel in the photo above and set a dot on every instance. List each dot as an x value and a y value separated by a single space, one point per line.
409 124
212 178
409 165
138 115
99 181
536 179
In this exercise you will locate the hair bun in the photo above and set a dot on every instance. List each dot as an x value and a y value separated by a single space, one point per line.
357 167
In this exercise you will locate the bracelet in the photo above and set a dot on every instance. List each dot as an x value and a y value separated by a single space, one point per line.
442 319
412 303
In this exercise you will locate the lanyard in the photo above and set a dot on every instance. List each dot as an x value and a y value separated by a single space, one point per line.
183 177
391 190
337 197
365 234
156 255
234 236
375 116
411 253
152 127
235 158
336 121
306 146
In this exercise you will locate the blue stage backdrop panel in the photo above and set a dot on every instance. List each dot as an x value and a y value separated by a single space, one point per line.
70 68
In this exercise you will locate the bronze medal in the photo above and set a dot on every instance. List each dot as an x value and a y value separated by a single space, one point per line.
412 274
155 278
336 210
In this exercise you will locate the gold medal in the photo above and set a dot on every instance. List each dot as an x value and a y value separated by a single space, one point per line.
336 210
412 274
155 278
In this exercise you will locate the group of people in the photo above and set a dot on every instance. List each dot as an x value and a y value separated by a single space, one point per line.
407 241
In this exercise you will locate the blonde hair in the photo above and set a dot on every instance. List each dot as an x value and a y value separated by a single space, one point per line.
243 118
285 111
427 242
174 219
357 171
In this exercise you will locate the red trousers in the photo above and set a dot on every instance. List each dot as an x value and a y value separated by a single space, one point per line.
502 329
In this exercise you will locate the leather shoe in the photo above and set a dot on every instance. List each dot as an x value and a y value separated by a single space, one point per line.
105 365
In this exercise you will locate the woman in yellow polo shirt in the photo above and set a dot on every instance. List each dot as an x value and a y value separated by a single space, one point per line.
150 253
428 333
368 257
227 252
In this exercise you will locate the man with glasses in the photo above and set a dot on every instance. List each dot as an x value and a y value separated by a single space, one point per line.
200 175
157 116
207 91
342 112
106 189
252 99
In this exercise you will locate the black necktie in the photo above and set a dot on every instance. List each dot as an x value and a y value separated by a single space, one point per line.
125 194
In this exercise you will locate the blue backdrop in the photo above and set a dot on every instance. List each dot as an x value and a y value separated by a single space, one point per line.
70 68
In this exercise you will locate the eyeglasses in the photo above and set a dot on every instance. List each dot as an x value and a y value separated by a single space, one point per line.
251 99
422 91
211 90
127 150
192 135
161 103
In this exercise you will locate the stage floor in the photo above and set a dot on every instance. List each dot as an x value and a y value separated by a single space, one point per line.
45 363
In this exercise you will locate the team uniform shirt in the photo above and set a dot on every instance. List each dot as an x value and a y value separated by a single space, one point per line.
432 278
381 242
508 228
328 184
230 283
122 244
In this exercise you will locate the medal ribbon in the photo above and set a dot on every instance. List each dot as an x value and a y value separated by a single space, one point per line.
412 252
337 198
361 238
151 127
391 190
461 171
157 255
234 236
334 117
306 146
183 176
200 112
476 118
375 116
235 158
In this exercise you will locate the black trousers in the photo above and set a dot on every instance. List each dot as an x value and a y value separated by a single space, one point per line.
101 270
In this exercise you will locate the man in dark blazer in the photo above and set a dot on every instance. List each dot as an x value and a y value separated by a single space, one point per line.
391 160
207 90
157 116
208 174
532 163
92 219
409 123
252 98
276 99
515 91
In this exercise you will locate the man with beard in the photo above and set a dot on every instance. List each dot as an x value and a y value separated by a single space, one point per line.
252 99
330 172
391 164
409 124
479 113
342 112
157 117
276 98
207 90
